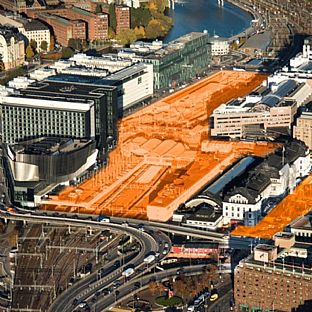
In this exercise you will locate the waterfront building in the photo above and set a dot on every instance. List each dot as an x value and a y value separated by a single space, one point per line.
122 18
180 61
12 47
262 115
275 277
74 110
20 82
219 46
36 167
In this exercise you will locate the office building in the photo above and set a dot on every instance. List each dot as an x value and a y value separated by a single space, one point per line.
39 165
109 62
134 84
122 18
275 277
180 61
261 114
74 110
12 47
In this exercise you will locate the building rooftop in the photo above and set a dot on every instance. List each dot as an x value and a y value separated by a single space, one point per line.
50 146
205 214
304 222
35 25
58 19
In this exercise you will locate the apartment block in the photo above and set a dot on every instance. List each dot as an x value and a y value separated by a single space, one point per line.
37 31
122 18
12 47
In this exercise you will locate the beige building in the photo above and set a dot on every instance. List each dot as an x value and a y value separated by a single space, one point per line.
12 47
303 128
258 115
37 31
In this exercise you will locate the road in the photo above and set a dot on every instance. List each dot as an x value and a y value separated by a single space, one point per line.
103 303
150 238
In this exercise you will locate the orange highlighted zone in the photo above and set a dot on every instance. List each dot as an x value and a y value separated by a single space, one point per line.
164 156
291 207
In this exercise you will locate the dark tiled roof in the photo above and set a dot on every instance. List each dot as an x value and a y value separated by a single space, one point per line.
35 25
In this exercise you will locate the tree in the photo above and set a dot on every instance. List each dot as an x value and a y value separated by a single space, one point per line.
67 52
112 16
152 287
44 45
140 17
29 52
153 29
139 32
51 43
75 44
126 36
34 45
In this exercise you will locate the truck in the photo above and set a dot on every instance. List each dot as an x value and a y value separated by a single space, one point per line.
149 259
103 219
128 272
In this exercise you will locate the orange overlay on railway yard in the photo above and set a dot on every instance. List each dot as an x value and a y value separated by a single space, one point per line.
291 207
164 155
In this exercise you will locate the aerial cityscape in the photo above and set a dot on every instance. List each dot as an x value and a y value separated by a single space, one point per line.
155 155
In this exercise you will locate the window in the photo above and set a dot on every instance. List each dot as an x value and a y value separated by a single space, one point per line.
139 80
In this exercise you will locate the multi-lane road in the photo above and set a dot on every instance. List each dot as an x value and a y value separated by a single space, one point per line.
149 235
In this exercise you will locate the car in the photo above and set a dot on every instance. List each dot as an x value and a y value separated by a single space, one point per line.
126 223
137 285
214 297
166 245
106 291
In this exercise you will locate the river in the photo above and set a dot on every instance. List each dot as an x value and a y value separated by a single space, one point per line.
199 15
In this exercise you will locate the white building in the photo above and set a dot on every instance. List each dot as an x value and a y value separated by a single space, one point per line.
110 62
137 84
273 177
37 31
12 47
219 46
20 83
42 73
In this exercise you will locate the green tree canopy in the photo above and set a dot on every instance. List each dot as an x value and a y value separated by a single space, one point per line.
67 52
29 52
126 36
75 44
33 44
140 17
44 45
112 17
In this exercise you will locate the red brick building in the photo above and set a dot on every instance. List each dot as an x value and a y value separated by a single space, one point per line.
122 18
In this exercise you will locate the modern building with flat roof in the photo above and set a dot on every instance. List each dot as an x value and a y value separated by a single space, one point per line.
134 83
36 166
176 63
66 109
257 116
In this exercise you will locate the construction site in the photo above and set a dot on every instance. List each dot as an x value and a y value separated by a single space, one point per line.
164 155
291 207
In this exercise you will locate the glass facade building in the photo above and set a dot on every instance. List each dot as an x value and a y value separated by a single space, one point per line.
180 61
61 108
